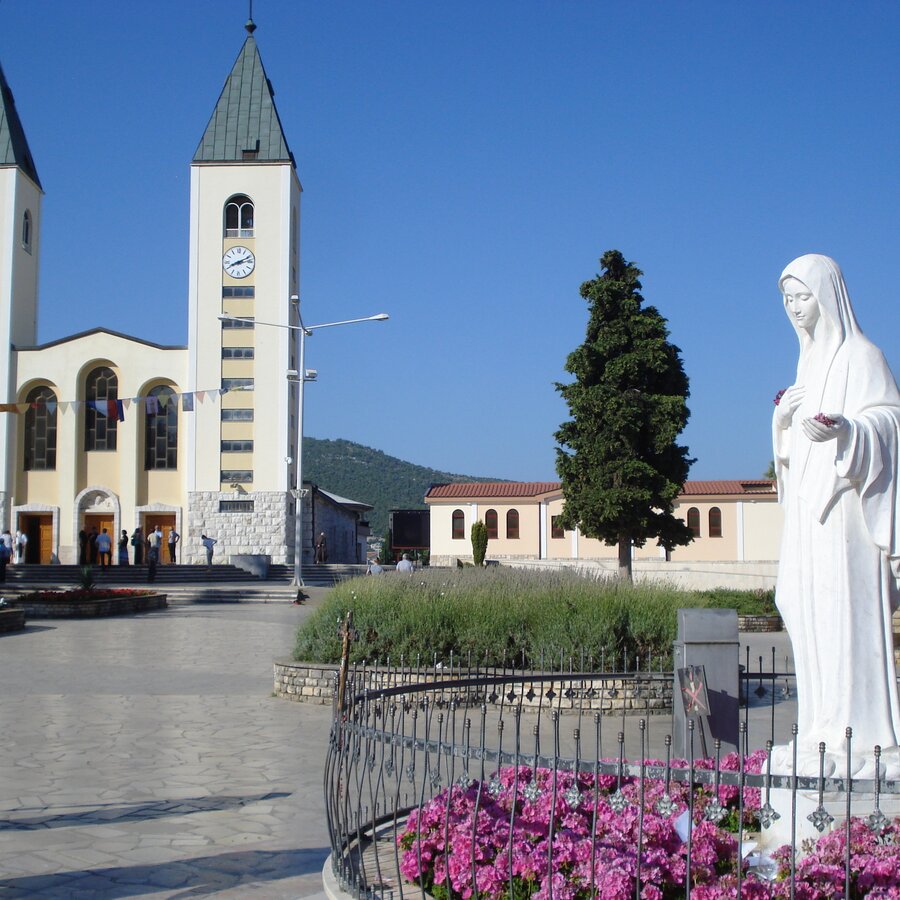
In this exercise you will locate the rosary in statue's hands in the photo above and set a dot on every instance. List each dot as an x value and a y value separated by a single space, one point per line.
788 404
825 427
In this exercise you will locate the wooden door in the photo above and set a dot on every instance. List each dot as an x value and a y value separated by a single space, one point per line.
39 529
102 520
166 522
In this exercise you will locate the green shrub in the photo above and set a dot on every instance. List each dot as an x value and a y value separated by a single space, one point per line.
479 542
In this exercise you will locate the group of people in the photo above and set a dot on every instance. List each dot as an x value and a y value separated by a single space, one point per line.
12 550
404 565
95 547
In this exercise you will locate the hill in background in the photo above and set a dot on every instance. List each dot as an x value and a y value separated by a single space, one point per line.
370 476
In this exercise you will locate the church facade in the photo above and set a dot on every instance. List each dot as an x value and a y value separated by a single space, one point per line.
108 430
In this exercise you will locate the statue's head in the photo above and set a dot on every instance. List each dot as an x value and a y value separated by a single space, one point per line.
815 298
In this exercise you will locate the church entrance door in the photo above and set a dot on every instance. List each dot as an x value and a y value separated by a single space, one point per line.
102 520
166 522
39 528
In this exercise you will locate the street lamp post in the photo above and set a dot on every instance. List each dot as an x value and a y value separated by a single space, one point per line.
302 378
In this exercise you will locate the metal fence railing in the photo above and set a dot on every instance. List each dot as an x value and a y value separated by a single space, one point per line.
459 782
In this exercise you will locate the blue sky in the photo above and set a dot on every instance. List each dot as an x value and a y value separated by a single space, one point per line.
464 166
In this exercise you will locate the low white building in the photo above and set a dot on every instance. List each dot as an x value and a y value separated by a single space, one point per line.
734 522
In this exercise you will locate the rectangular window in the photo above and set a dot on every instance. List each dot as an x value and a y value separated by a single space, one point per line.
236 476
242 293
237 415
237 353
235 506
556 530
236 323
237 384
237 446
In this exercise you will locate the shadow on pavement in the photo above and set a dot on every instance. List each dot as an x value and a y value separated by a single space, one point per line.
195 877
106 814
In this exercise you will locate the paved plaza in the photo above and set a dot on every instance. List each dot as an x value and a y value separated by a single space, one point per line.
144 756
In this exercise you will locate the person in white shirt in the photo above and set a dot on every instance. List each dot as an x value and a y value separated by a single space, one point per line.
374 567
209 543
405 564
174 538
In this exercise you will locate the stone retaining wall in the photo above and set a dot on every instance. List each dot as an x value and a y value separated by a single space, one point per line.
758 624
645 694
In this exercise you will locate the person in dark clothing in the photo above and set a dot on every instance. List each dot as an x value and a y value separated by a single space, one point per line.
137 541
93 552
82 548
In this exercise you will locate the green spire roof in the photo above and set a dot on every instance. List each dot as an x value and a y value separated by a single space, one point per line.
13 146
245 124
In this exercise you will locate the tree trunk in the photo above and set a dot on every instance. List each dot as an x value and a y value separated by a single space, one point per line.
625 559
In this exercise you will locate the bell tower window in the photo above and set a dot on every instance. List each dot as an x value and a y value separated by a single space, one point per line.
26 230
239 217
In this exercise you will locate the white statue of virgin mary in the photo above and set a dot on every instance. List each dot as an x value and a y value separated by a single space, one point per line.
836 434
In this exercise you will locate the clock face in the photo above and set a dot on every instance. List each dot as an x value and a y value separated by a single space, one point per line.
238 262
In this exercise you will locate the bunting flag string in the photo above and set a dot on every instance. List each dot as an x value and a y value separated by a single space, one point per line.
115 409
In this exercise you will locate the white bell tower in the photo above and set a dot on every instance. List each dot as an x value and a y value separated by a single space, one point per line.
20 229
244 261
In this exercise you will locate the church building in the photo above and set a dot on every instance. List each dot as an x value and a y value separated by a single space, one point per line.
108 430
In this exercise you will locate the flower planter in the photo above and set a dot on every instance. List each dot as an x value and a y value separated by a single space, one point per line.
11 619
66 606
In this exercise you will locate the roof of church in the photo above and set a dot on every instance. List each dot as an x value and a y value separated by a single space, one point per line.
13 145
245 124
109 331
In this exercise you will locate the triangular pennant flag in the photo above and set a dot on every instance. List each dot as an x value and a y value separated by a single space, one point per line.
200 395
98 405
126 403
187 402
152 404
22 407
51 406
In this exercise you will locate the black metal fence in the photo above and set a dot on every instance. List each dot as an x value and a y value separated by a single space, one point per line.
456 782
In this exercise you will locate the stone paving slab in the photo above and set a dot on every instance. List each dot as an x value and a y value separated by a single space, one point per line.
145 757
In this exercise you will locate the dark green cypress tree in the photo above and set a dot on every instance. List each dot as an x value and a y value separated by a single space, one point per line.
479 542
618 457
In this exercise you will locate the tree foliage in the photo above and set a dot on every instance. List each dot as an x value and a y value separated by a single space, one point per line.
479 542
618 457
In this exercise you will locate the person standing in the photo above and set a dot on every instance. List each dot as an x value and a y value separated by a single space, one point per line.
5 555
321 549
82 548
154 541
104 549
137 541
92 546
21 545
174 538
208 543
123 548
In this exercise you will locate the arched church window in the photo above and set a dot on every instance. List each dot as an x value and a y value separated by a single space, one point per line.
161 429
40 430
512 525
693 521
459 525
26 230
490 522
101 392
239 217
715 522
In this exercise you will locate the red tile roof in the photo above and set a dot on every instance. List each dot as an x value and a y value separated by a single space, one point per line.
476 489
491 489
760 486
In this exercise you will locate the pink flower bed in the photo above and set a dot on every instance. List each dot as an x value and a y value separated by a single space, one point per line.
520 815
